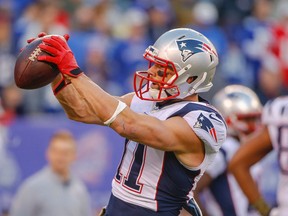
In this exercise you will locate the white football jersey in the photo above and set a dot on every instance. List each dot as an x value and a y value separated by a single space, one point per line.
275 116
155 179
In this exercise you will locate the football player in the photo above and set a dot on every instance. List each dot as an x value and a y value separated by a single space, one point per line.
171 133
220 193
273 135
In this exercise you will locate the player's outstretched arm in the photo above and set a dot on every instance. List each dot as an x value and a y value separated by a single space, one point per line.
81 98
173 134
75 105
72 103
253 150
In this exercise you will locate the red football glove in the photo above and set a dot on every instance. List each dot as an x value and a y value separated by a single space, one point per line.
41 34
61 55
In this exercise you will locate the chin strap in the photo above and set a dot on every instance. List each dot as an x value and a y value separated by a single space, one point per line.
154 93
187 67
197 84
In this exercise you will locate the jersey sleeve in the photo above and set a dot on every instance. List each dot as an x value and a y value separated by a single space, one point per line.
209 126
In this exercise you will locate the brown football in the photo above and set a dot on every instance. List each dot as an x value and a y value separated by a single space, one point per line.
29 73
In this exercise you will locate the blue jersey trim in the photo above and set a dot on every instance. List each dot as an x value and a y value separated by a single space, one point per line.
174 184
193 107
221 150
118 207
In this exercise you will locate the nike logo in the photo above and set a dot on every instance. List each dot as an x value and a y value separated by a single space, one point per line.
213 116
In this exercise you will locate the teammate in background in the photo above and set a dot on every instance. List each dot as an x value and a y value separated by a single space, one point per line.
273 135
171 133
242 110
53 190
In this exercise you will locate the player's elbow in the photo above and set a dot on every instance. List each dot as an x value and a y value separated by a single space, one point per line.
233 165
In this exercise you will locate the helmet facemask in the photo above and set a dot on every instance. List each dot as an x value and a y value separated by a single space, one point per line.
169 89
143 80
243 124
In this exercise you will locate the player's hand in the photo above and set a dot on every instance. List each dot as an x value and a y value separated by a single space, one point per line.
61 55
40 35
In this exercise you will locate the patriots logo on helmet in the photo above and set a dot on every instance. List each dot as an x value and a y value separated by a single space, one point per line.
205 124
189 47
238 95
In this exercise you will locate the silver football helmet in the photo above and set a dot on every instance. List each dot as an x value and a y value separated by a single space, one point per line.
189 54
240 107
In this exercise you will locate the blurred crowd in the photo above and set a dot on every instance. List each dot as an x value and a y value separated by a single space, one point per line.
109 37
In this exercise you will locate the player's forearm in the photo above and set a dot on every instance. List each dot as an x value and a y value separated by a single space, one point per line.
73 104
140 128
250 189
98 102
239 166
128 123
253 150
85 101
246 183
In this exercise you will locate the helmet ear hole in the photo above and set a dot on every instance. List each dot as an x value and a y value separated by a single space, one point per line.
191 79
